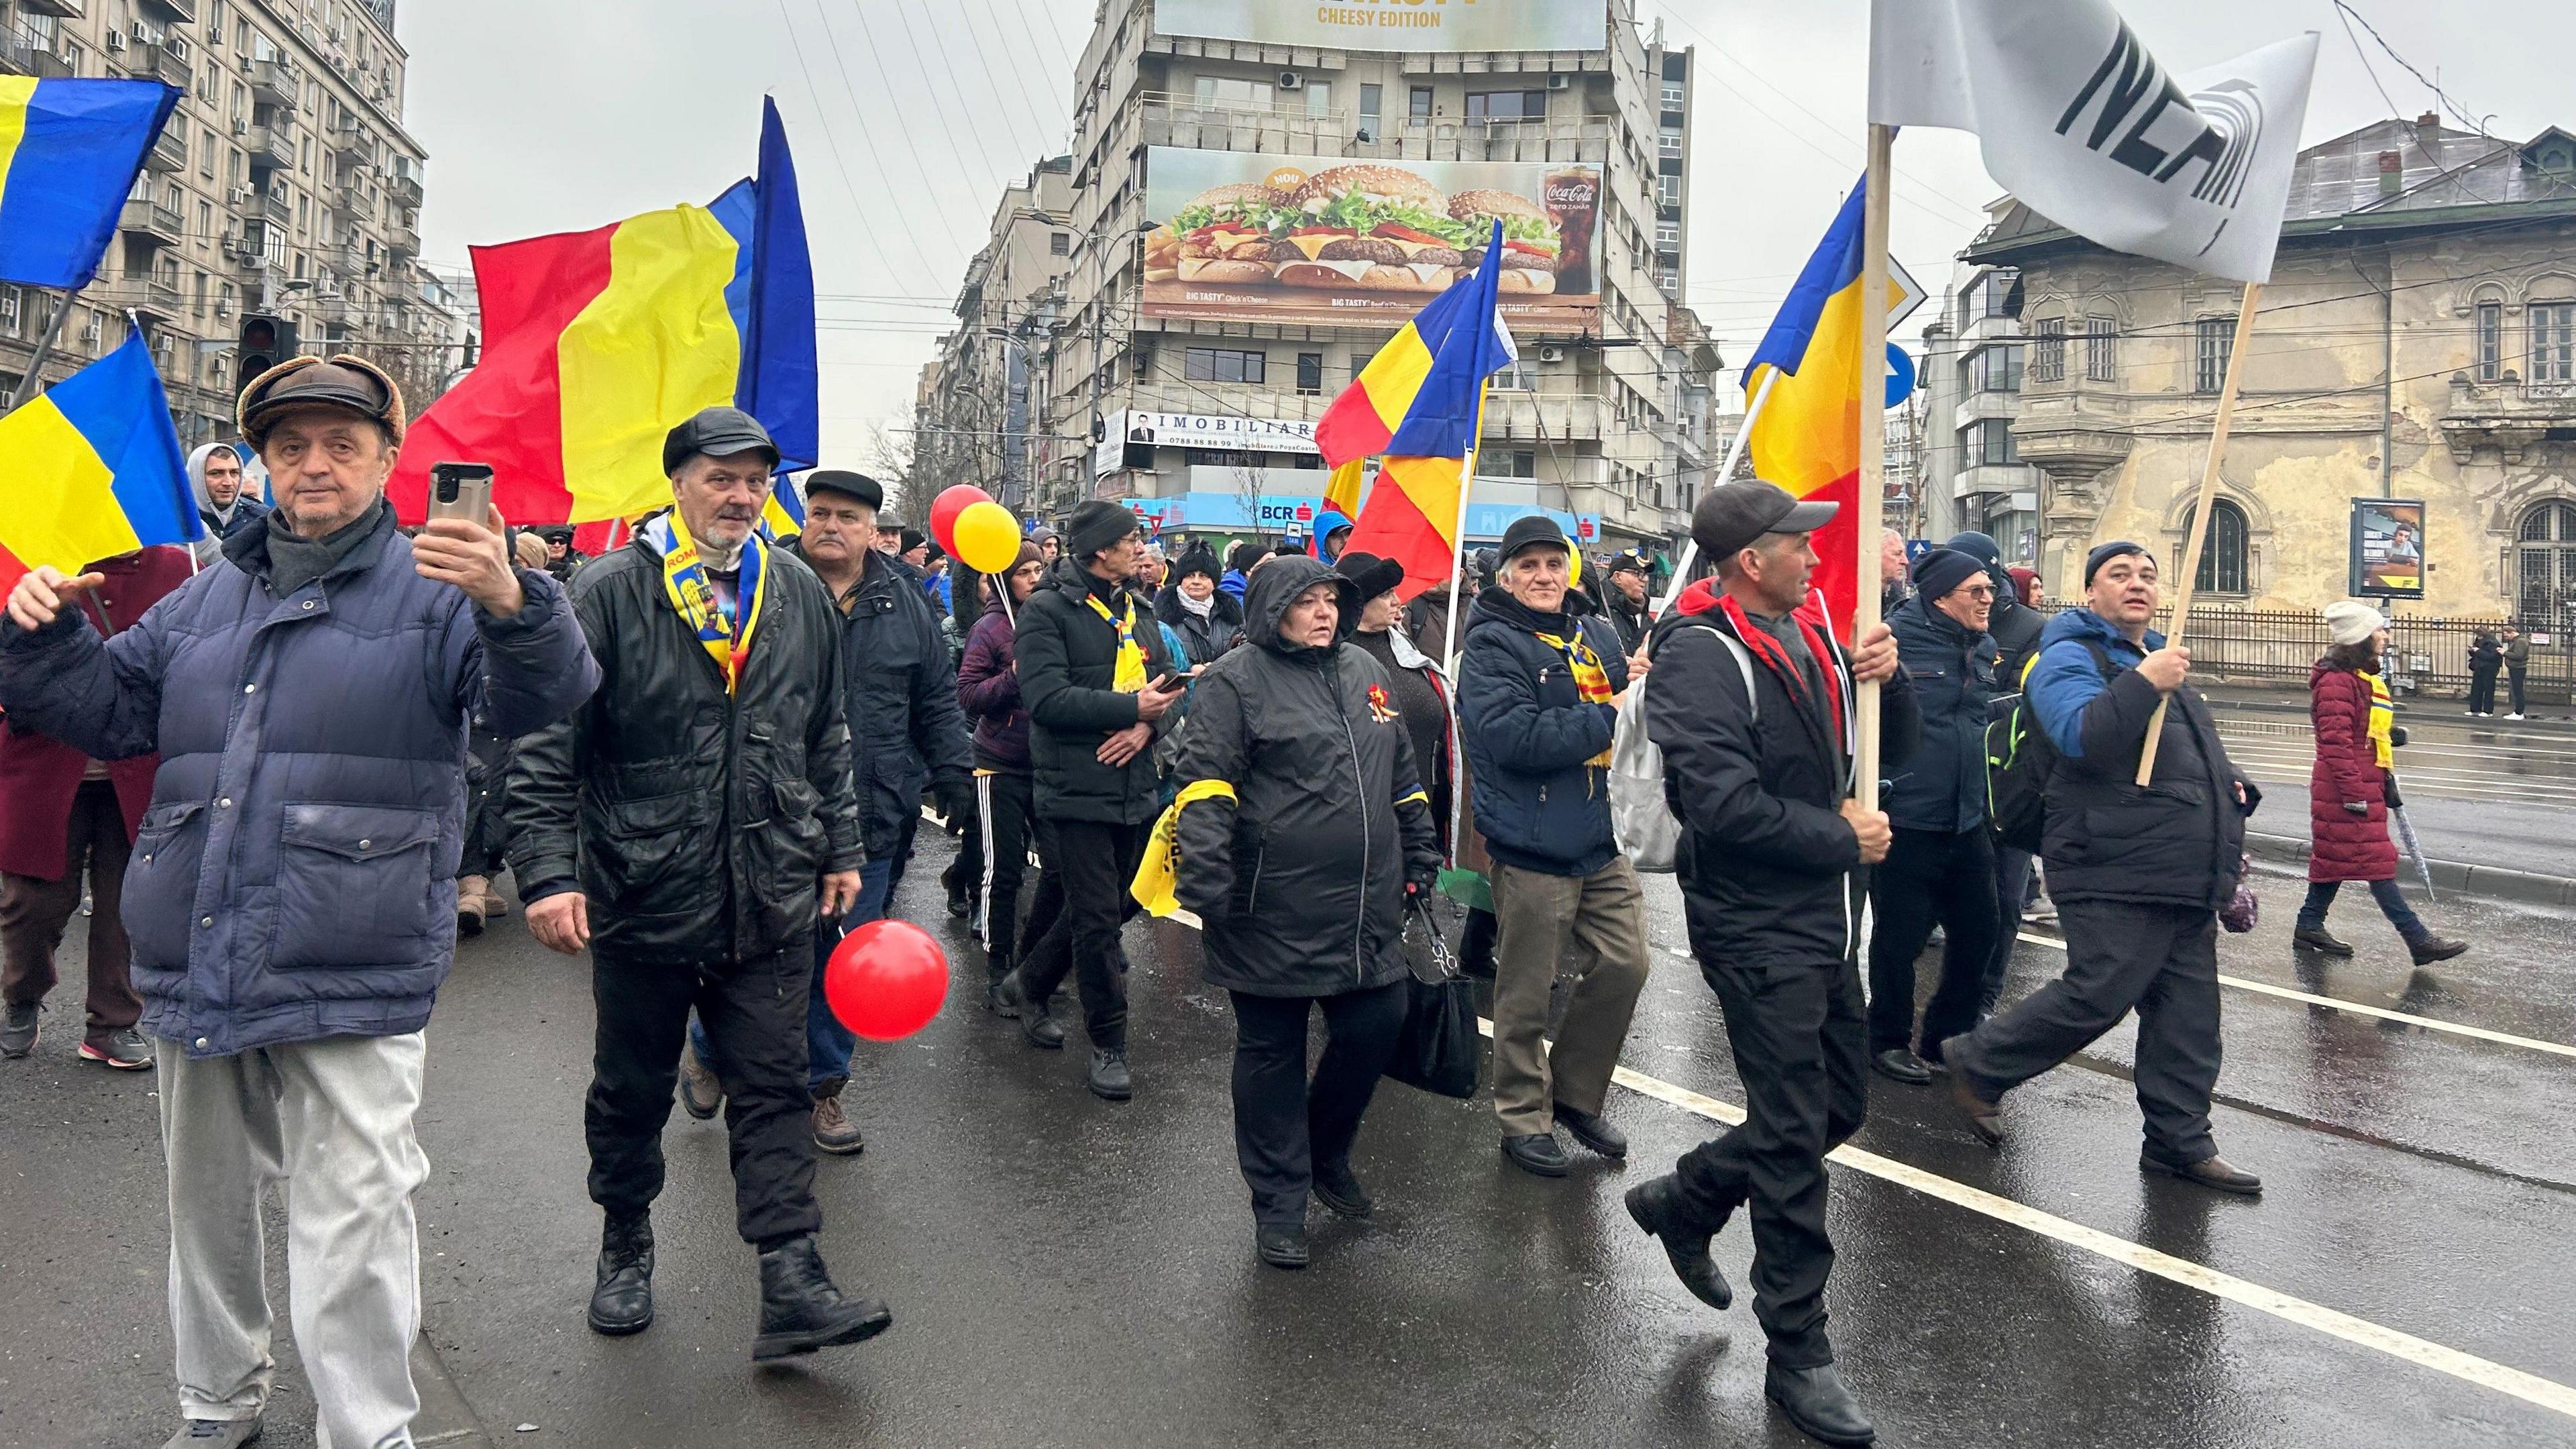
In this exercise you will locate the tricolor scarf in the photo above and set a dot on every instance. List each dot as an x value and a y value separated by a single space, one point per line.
1703 598
1129 677
1590 679
2383 718
725 633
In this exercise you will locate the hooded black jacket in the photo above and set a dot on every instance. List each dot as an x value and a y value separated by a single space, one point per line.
905 724
1068 658
1204 640
699 824
1766 859
1300 878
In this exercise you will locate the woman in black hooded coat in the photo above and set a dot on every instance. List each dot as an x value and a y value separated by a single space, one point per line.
1303 826
1205 616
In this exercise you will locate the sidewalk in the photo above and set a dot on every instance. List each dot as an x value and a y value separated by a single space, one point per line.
2494 882
2548 720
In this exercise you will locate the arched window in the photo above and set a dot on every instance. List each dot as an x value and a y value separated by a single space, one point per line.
2545 545
2222 563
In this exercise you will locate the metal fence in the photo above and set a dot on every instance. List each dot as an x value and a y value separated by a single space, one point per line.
2427 657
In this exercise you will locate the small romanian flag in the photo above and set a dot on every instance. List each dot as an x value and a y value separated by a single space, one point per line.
93 469
69 152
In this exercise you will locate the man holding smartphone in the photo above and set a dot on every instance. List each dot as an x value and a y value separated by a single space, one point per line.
1098 685
291 898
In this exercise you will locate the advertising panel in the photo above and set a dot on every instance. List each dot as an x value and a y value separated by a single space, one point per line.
1405 25
1135 429
1241 237
2388 547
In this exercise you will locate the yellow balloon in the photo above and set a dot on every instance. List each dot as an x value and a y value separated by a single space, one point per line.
988 538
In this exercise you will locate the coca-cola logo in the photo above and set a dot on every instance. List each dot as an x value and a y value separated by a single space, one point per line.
1573 191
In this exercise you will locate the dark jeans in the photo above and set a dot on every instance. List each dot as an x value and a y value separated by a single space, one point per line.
2482 691
755 1020
1284 1124
1798 1039
1003 805
34 911
2392 904
2160 960
1930 876
901 855
1093 863
2515 679
2012 891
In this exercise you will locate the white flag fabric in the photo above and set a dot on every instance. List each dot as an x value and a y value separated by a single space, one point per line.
2078 121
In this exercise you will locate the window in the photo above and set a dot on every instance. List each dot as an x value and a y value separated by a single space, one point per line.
1995 369
1668 190
1310 373
1372 99
1520 376
1507 105
1319 98
2213 335
1990 295
2222 559
1219 364
1217 90
1421 104
12 306
206 155
1506 463
1669 142
1060 244
2048 350
2545 555
2101 353
2553 342
1674 95
1989 444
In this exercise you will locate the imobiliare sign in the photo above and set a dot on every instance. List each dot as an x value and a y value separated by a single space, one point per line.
1402 25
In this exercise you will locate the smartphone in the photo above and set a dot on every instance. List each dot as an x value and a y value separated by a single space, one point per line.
1166 684
461 490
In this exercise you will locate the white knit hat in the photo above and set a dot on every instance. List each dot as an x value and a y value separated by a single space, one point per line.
2352 623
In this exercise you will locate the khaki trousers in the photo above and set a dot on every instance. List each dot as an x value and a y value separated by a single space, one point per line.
1593 928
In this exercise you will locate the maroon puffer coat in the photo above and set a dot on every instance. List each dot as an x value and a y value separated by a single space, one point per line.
2348 846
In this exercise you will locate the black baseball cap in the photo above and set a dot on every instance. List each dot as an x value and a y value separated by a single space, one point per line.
718 433
858 487
1732 515
1531 532
1627 562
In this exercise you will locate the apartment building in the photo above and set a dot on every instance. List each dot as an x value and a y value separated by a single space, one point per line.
1199 400
284 183
981 399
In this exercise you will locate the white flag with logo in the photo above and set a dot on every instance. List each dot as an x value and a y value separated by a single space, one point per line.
2080 123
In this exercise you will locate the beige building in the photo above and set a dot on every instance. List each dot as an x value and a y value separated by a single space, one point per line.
284 182
1614 424
2418 341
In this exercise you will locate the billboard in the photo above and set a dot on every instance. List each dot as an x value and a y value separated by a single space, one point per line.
2388 547
1406 25
1240 237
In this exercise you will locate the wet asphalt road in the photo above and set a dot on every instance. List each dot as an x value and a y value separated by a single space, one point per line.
1067 1272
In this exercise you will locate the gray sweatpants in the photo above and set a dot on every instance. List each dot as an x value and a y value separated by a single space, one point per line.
331 1119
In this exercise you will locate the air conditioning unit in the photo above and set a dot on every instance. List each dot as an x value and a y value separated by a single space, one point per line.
116 40
1290 80
1551 353
177 46
1560 82
145 34
241 195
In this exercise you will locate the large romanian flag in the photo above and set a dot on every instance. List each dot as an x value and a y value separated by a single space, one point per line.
1419 404
1807 437
596 344
69 152
92 469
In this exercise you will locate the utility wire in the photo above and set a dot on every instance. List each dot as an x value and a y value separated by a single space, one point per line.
840 162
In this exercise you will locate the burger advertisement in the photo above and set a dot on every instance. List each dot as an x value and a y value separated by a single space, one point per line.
1322 242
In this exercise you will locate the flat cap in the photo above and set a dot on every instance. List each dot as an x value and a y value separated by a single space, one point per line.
349 383
718 433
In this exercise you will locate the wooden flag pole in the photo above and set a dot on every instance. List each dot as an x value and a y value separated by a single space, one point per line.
1872 488
2199 538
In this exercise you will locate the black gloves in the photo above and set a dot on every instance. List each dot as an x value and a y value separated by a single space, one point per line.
2388 792
2397 736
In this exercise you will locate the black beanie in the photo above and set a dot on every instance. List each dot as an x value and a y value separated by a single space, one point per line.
1096 524
1944 569
1195 560
2104 553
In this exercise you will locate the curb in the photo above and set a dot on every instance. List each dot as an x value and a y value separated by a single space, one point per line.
2492 882
445 1420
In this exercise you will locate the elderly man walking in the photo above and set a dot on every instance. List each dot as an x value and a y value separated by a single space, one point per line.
694 827
292 895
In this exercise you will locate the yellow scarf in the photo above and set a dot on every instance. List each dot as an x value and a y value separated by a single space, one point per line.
726 635
2383 717
1130 675
1590 679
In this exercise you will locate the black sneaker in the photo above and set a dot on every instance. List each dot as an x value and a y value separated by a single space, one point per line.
124 1051
19 1028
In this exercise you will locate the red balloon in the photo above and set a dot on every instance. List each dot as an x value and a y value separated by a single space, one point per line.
945 508
886 980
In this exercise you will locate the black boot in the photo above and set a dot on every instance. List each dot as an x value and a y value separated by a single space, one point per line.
1011 1002
1660 1209
622 1302
800 1310
1819 1403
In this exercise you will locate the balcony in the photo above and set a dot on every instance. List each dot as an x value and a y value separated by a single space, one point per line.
169 153
67 9
277 82
270 146
402 238
154 298
183 12
346 201
270 204
2505 419
153 222
1528 417
18 51
404 182
1169 119
353 144
1982 478
167 62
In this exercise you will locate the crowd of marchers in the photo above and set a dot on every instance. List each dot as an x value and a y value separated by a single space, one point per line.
293 768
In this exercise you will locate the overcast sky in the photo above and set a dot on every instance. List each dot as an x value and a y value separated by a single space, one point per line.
908 119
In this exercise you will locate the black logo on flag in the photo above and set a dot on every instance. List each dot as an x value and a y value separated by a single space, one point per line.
2130 90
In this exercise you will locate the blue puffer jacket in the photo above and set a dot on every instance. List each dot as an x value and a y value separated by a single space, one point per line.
1943 787
1530 736
295 876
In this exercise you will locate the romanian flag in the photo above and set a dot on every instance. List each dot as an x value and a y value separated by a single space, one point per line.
69 152
1807 437
598 343
93 469
1420 404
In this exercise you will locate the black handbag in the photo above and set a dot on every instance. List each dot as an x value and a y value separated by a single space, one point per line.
1440 1050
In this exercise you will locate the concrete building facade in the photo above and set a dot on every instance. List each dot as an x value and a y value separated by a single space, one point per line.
284 183
978 415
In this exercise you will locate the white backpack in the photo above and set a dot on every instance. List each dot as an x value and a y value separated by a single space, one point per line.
1641 819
